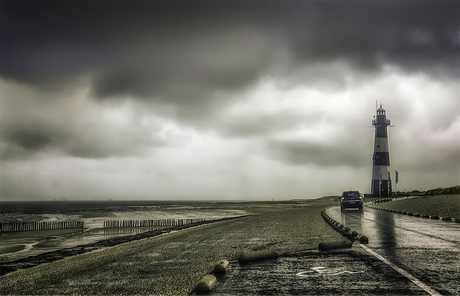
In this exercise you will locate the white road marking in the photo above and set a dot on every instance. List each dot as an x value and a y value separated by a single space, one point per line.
403 272
323 270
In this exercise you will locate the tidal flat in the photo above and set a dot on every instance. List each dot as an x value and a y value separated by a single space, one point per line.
18 245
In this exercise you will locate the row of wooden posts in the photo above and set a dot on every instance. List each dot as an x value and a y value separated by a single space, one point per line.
32 226
149 223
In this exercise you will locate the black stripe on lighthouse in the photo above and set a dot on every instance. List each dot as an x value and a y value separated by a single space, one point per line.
382 158
381 132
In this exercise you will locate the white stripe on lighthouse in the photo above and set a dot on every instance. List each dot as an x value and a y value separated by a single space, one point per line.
381 145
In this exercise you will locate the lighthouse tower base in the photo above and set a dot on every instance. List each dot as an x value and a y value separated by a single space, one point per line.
385 188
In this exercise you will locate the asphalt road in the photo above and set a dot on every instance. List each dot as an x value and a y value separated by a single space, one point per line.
405 256
427 249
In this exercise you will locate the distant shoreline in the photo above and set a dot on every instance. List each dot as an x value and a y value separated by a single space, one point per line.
71 206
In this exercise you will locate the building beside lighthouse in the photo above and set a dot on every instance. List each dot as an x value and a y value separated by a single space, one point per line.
381 181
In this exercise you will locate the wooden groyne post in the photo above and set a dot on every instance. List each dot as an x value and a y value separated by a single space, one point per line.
148 223
33 226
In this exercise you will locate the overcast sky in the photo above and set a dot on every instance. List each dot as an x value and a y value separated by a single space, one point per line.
224 99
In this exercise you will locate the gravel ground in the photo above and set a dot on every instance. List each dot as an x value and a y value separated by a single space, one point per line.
173 264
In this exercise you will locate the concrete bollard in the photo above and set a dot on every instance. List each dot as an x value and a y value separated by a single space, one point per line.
334 245
206 284
264 254
221 266
364 240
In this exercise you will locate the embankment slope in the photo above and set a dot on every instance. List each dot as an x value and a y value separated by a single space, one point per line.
173 264
437 205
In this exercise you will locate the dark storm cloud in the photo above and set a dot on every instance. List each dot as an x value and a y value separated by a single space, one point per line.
32 122
182 51
78 139
144 49
31 138
302 153
181 56
261 125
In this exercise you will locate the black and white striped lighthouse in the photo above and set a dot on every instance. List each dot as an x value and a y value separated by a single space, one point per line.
381 181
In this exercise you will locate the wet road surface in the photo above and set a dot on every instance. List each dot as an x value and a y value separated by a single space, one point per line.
406 255
427 249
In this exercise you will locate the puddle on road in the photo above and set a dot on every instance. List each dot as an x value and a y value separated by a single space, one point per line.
349 273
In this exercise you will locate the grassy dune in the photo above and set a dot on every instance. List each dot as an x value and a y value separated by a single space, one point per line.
438 205
173 264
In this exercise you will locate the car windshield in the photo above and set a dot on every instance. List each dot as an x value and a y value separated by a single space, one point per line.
350 194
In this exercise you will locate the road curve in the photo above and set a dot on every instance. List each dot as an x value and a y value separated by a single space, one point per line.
405 256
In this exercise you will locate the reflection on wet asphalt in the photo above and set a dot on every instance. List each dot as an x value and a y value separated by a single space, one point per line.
428 250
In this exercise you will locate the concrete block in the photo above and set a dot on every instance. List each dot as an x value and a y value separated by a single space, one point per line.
206 284
335 245
257 255
221 267
364 239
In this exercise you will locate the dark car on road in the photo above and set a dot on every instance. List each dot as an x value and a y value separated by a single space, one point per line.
351 199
